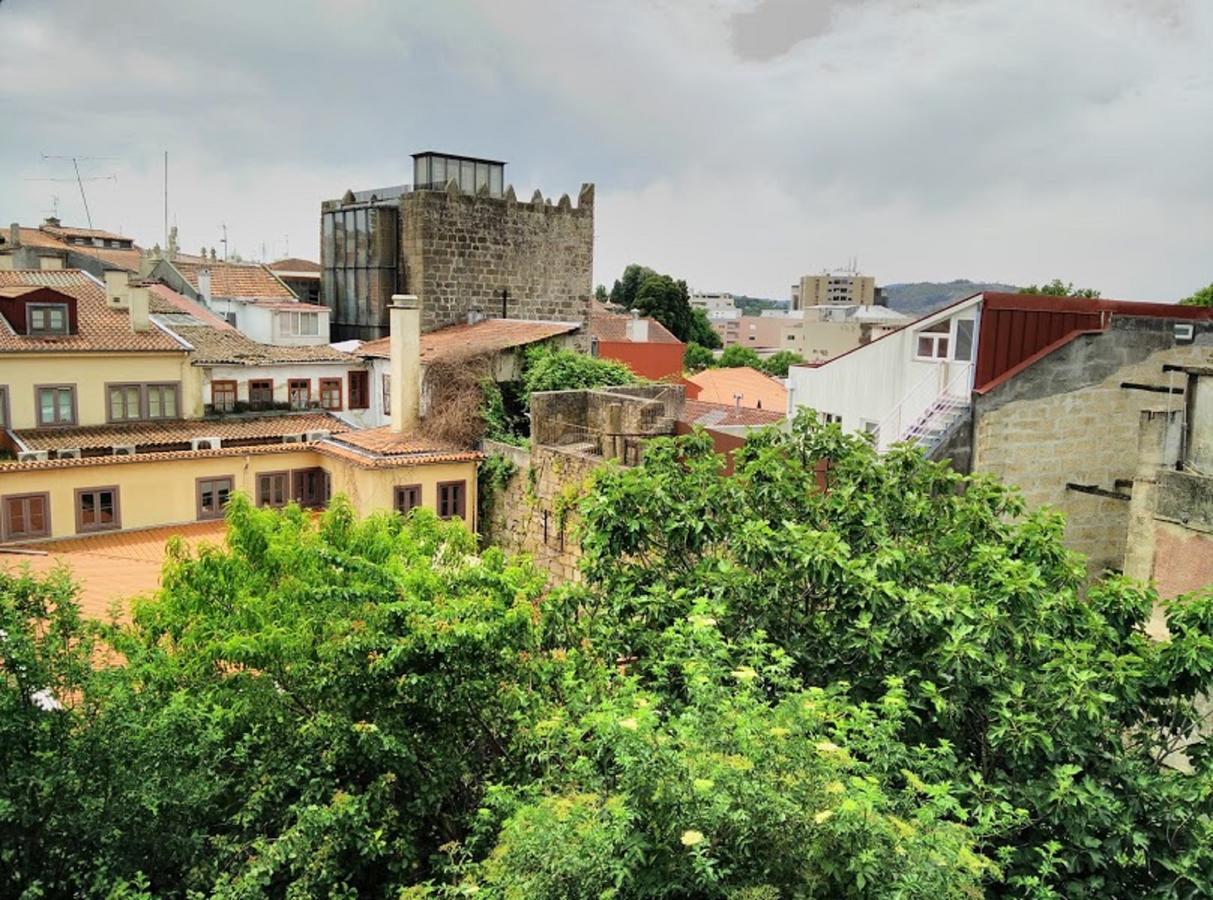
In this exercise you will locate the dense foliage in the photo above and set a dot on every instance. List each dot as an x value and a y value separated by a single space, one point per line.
1203 297
696 358
548 369
778 363
738 356
894 687
665 299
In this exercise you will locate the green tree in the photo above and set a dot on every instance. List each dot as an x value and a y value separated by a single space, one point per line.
662 298
737 356
697 358
702 332
600 293
777 364
1050 694
1059 288
1203 297
624 291
548 369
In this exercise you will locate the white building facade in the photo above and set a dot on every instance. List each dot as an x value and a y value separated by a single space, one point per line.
910 384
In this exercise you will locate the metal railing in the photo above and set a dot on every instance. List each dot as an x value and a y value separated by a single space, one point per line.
925 408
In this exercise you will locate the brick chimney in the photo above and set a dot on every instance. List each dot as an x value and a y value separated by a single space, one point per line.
405 362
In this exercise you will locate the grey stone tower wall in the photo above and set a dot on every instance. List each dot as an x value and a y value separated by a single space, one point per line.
461 250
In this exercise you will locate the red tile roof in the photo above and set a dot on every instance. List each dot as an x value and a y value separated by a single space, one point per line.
165 301
722 415
487 336
613 327
178 431
757 389
381 448
295 265
47 239
154 456
72 231
100 328
236 280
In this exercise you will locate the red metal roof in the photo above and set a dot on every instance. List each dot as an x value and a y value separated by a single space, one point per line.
1018 329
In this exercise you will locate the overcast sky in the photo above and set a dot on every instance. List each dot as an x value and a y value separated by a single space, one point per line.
737 144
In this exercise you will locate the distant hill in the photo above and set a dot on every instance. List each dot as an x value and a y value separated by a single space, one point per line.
917 298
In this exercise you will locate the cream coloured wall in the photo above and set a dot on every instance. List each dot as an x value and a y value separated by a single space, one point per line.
154 493
90 372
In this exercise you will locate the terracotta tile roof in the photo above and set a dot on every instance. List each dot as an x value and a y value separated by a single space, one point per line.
61 231
156 456
100 328
757 389
48 239
236 280
383 448
295 265
17 290
179 431
487 336
217 346
697 412
165 301
113 566
613 327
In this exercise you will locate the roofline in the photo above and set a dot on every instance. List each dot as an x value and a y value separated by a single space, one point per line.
459 156
1036 357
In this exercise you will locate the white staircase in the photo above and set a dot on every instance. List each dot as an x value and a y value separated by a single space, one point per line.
936 423
929 411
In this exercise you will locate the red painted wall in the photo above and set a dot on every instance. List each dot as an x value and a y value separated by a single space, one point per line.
648 360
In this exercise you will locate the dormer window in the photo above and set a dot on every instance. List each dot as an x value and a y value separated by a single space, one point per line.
47 318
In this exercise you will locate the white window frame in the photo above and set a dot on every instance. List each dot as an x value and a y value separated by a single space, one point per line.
936 338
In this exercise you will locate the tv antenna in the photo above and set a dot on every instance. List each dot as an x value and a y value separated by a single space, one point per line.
79 179
223 241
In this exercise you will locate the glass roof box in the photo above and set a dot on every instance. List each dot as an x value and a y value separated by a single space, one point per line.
432 171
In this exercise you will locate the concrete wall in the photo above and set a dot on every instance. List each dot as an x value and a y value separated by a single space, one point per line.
1066 419
460 251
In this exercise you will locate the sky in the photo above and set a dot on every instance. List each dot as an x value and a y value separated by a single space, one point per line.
737 144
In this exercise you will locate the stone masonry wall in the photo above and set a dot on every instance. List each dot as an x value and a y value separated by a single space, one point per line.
461 250
1067 419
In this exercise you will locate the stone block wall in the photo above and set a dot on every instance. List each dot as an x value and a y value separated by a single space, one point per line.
461 250
1067 419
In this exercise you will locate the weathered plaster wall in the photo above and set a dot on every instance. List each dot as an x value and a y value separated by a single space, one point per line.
460 251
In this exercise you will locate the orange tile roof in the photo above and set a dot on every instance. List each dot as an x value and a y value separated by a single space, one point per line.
236 280
100 328
697 412
7 466
377 448
164 300
48 239
486 336
295 265
216 346
757 389
73 231
612 327
114 566
177 431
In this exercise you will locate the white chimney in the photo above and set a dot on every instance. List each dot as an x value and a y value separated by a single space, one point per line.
204 285
638 330
139 309
405 383
117 288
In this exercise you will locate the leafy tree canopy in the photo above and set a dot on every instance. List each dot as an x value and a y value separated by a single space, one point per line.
736 356
548 369
1059 288
623 292
702 332
777 364
1203 297
697 358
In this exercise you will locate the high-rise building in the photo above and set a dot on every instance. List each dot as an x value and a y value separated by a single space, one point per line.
826 289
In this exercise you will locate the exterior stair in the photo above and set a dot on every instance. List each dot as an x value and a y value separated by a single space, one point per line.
934 425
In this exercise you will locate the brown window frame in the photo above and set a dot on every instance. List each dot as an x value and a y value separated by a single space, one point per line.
174 387
113 525
331 383
235 389
297 476
359 389
38 388
285 475
291 384
400 491
6 525
204 516
110 387
47 332
461 495
259 384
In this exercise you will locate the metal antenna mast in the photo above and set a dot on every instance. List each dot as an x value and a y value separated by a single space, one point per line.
79 179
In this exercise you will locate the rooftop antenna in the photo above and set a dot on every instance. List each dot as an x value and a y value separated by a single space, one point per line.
79 179
165 198
223 241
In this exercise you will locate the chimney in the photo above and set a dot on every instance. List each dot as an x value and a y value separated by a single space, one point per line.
638 330
117 289
14 235
204 286
139 309
405 363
